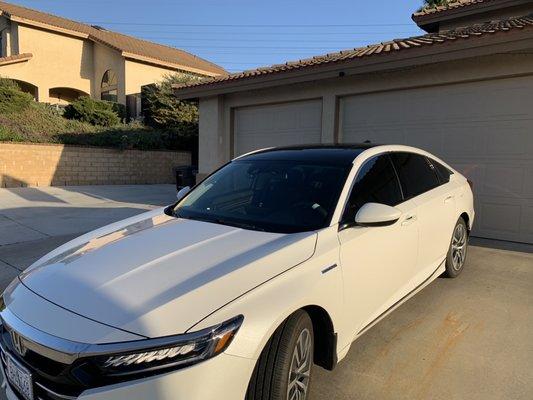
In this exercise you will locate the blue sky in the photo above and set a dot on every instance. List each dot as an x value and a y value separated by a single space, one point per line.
244 34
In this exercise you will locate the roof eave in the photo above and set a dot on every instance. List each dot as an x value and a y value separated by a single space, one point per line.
48 27
459 49
424 20
173 66
19 58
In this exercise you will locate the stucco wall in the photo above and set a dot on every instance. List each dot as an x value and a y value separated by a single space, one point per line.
58 61
106 58
58 165
139 74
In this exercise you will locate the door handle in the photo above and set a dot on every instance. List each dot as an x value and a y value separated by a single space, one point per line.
449 199
409 220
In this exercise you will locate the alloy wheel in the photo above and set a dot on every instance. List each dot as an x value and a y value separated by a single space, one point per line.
459 243
300 370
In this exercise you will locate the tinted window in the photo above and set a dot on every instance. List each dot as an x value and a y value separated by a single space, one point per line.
442 172
376 182
415 173
271 195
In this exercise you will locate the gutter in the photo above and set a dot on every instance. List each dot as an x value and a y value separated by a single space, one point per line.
486 44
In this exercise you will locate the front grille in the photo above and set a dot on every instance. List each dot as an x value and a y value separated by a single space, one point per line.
51 380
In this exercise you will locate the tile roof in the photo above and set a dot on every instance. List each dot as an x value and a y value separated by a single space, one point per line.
15 58
376 50
120 42
450 6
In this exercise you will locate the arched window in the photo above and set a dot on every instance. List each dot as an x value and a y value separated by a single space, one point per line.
109 86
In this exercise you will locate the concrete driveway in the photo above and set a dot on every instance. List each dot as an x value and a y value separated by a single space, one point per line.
466 338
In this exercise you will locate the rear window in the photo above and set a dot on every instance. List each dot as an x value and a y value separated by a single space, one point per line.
415 173
442 172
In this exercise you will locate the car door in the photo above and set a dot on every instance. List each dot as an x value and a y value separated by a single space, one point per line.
377 262
435 208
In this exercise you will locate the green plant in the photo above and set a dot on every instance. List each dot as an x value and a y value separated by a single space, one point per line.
12 99
163 110
94 112
434 3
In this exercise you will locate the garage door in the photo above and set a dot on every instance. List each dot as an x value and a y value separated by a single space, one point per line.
483 129
277 125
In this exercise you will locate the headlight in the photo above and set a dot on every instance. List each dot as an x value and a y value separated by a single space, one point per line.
171 352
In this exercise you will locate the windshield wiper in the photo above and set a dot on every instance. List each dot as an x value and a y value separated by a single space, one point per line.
242 225
220 221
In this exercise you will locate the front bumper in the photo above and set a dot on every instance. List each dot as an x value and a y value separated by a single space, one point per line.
222 377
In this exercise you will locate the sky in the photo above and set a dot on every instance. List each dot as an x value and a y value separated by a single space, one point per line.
245 34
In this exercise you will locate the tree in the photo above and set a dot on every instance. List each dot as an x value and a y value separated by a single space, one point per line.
163 110
434 3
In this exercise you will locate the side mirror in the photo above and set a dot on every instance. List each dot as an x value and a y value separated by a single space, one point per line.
183 192
376 214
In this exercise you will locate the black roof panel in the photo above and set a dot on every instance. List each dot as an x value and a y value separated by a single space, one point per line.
342 154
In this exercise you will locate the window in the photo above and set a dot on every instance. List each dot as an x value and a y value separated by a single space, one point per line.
415 173
376 182
283 196
109 86
442 172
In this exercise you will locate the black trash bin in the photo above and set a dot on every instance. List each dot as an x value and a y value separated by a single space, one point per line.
185 176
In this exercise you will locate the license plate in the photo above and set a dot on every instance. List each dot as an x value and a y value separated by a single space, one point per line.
19 377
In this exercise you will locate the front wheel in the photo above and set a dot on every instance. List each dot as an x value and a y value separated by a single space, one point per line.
456 257
283 371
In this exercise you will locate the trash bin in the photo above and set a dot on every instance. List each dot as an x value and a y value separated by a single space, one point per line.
185 176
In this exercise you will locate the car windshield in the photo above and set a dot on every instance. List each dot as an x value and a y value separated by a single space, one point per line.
281 196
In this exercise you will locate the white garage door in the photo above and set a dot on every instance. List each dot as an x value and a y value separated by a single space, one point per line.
277 125
483 129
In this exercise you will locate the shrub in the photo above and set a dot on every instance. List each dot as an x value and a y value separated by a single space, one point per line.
95 112
12 99
163 110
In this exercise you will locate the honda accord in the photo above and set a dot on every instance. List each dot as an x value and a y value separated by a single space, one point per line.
273 264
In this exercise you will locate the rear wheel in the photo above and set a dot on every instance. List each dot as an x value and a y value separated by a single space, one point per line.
456 257
283 371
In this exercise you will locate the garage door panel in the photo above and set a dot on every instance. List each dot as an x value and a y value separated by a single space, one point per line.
510 139
528 222
483 129
277 125
499 217
502 180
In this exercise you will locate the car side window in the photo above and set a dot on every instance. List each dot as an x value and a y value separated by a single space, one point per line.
376 182
416 174
442 172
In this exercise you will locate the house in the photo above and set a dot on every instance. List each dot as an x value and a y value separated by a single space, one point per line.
463 91
58 60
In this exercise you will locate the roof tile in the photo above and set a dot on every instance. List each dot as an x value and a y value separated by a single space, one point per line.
378 50
118 41
450 6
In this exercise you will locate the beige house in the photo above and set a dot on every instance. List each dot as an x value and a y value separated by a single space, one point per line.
463 91
57 59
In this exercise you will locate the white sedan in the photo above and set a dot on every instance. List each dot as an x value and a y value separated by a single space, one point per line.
276 262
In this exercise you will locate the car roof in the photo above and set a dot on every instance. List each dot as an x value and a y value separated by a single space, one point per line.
338 154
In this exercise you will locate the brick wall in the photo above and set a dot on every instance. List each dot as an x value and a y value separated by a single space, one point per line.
24 164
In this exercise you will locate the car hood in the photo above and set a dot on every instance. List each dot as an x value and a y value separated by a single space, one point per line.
156 275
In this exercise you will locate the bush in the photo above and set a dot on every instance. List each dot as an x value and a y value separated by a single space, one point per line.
128 136
94 112
163 110
12 99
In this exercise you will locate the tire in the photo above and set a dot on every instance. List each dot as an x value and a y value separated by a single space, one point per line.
270 379
456 257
